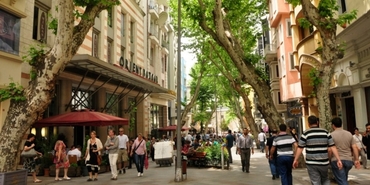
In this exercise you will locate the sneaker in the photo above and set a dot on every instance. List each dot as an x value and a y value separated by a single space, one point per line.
138 174
141 174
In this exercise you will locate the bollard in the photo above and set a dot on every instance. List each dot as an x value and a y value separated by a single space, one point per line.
222 157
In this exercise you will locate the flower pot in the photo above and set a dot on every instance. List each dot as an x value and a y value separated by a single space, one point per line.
46 172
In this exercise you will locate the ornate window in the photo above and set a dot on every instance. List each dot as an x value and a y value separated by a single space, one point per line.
9 32
95 43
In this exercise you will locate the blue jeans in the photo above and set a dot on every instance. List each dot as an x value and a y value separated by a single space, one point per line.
139 162
341 176
273 167
285 164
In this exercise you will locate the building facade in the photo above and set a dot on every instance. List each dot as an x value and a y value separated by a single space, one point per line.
349 93
122 65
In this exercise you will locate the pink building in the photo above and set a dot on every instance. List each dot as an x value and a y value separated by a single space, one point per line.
285 78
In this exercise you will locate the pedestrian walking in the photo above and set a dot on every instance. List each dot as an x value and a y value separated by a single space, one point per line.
317 141
139 151
152 150
30 162
229 145
60 158
262 139
94 146
346 145
245 148
366 139
361 148
284 144
122 152
111 145
272 162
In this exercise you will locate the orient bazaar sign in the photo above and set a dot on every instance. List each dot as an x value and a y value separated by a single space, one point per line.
133 68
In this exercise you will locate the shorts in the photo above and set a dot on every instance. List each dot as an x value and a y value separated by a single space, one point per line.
122 155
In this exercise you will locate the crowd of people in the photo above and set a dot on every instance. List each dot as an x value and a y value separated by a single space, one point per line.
122 153
338 150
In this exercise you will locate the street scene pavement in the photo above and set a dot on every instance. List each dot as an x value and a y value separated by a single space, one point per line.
156 175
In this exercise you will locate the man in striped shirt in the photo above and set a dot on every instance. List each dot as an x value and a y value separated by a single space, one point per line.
284 144
317 142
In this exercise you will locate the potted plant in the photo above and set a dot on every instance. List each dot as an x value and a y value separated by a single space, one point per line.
47 148
104 166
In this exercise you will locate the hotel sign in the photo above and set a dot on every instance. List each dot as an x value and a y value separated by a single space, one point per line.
133 68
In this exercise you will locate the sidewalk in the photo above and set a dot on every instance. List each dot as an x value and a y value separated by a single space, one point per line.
155 175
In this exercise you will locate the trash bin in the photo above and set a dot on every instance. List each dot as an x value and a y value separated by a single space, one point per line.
184 164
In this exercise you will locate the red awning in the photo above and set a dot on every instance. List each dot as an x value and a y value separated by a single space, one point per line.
172 128
81 118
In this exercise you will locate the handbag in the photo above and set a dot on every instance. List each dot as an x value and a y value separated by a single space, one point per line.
29 153
146 162
98 159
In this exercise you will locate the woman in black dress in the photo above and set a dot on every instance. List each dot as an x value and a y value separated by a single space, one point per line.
29 162
94 146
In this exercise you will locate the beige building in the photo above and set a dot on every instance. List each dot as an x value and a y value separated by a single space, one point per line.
126 61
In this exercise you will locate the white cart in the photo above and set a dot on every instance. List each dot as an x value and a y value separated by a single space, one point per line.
163 152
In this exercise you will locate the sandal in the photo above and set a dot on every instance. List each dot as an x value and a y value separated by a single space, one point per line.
95 179
59 179
37 181
89 179
66 178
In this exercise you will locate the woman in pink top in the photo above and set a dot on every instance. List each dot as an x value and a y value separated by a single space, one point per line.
138 150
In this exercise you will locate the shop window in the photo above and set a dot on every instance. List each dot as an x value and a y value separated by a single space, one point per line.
9 32
81 99
95 43
40 19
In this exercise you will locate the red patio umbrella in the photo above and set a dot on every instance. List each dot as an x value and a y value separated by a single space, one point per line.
81 118
172 128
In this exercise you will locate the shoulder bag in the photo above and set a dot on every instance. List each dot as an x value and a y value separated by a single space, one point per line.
29 153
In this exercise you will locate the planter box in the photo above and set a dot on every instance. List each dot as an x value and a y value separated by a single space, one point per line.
18 177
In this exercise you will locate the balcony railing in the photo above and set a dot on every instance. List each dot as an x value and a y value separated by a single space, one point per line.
153 31
269 48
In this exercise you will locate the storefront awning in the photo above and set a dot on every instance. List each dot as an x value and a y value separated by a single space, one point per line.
95 67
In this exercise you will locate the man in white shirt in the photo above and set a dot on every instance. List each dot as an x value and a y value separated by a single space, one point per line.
122 151
75 151
362 149
262 139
